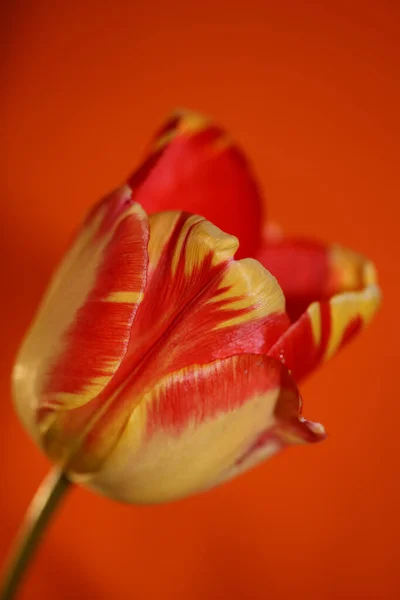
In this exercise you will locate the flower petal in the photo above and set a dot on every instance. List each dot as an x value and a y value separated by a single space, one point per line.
200 304
331 293
324 328
310 271
81 331
193 165
199 426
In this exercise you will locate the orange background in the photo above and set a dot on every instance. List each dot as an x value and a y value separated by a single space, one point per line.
311 90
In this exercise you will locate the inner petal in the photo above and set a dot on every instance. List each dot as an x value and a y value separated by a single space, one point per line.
194 165
309 271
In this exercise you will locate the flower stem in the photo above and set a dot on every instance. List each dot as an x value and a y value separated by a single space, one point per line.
38 515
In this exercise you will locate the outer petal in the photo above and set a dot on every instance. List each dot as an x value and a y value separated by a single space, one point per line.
200 426
199 305
193 165
324 328
331 294
81 331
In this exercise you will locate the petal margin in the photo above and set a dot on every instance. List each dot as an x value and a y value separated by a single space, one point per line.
81 330
193 165
194 428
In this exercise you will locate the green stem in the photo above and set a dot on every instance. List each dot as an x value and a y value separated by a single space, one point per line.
38 515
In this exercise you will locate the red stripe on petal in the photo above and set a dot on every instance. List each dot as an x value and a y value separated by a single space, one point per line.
302 347
100 332
198 393
324 329
82 329
297 348
351 330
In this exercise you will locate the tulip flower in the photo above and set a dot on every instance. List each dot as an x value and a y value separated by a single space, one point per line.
166 355
159 365
147 373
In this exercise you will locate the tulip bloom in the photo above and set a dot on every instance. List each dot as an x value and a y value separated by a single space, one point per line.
158 364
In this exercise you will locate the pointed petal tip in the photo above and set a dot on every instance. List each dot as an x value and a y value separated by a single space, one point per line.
181 121
299 430
193 164
370 275
192 117
315 432
350 270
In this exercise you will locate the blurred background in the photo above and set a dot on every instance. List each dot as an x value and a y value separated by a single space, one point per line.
311 91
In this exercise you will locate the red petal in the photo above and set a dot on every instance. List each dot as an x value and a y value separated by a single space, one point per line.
324 329
193 165
302 269
311 271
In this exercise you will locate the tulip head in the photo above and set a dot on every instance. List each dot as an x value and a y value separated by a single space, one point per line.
157 365
145 374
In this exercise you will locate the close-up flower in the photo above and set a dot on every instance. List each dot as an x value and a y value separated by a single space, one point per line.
198 252
166 355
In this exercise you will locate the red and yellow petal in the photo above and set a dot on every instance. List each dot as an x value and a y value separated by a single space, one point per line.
81 331
201 425
311 271
193 165
331 294
200 304
325 328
